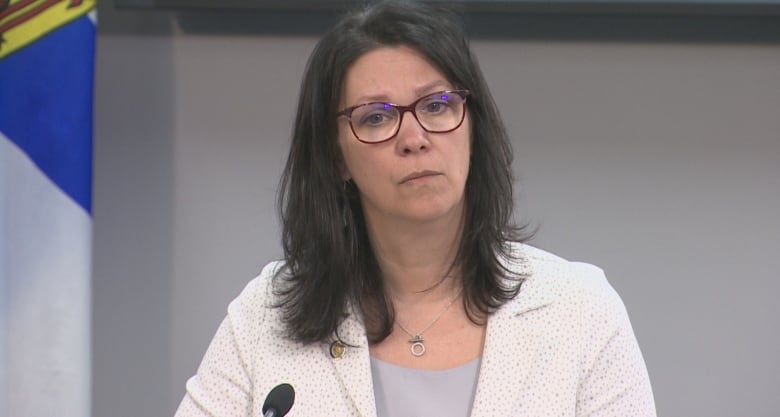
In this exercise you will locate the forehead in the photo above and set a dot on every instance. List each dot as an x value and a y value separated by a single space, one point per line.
391 73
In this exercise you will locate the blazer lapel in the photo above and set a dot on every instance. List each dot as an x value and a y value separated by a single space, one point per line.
512 346
353 368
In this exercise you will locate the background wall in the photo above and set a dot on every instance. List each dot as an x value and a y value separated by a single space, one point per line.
658 160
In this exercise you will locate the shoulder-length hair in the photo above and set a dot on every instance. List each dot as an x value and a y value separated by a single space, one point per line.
330 266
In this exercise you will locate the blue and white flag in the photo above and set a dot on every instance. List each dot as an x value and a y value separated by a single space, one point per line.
47 50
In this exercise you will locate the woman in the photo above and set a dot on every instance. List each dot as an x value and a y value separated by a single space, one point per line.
405 289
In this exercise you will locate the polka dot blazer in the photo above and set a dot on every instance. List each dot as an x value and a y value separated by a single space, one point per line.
563 347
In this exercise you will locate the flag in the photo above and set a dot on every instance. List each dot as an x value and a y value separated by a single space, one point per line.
47 52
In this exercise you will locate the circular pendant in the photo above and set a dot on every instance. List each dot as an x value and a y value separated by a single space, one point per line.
418 348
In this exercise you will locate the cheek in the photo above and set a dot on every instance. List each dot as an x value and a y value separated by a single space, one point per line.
357 161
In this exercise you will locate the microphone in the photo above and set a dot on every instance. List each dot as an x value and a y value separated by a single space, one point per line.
279 401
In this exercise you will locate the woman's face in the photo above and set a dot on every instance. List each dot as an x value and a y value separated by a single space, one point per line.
416 176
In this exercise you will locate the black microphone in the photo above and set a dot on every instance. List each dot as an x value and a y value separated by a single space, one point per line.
279 401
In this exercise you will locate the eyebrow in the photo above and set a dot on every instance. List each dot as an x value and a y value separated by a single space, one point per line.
419 91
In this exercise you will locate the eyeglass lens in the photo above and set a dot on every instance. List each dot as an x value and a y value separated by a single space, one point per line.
439 112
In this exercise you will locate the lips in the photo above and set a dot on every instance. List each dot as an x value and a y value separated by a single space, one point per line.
419 174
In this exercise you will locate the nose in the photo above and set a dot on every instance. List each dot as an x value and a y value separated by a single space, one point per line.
411 137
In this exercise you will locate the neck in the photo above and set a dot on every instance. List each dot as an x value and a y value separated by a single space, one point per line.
417 259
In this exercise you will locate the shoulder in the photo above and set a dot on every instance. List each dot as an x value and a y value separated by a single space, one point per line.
259 289
252 306
554 270
551 279
566 301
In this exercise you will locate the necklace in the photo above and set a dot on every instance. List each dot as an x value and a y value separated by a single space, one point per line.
417 341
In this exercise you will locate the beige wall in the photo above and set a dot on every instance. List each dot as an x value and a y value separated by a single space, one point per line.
659 162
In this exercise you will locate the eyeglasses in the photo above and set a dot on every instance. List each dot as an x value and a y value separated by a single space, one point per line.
377 122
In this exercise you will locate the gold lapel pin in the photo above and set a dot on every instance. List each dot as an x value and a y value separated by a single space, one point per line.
337 350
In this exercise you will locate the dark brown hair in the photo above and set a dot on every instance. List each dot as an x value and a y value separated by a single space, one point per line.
330 263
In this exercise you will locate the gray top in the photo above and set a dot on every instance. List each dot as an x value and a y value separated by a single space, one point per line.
408 392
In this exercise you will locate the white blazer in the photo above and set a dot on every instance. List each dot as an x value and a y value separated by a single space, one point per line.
563 347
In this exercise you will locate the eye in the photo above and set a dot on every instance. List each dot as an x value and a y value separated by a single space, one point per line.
435 107
435 104
373 119
375 116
